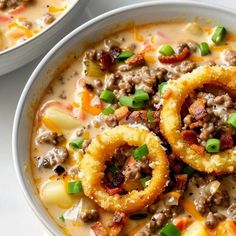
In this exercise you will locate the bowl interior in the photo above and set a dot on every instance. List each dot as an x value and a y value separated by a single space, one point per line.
90 32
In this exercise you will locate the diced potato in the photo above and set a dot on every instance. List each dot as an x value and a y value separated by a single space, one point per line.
61 119
54 192
196 229
86 204
194 28
92 69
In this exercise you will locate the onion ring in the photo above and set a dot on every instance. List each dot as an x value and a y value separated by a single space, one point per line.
218 163
101 149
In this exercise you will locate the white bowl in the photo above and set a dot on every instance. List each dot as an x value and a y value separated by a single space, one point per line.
91 31
23 53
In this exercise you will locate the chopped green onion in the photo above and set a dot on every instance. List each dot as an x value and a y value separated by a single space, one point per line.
113 169
129 102
62 218
140 152
188 170
162 88
166 50
219 35
213 145
74 187
108 111
77 143
204 48
140 96
170 230
150 116
107 96
145 181
232 120
124 55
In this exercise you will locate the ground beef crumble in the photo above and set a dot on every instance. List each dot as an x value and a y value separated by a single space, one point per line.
207 116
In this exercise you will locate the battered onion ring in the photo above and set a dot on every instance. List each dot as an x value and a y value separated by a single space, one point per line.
178 91
101 150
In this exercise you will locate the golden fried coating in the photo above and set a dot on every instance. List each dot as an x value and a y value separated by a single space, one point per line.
178 91
101 150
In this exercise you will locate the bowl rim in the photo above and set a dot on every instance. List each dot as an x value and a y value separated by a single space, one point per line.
50 54
41 33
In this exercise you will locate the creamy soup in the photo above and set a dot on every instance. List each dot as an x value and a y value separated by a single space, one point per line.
86 153
22 19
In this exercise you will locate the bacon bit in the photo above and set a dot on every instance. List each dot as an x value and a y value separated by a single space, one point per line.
99 229
176 57
21 8
226 141
182 222
130 161
189 136
113 191
118 222
167 94
5 18
136 60
114 52
196 124
122 113
197 109
181 181
198 149
119 218
105 60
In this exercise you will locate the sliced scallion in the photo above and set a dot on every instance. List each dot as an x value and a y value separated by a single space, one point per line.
62 218
219 35
150 116
129 102
140 96
107 96
74 187
108 111
145 181
124 55
140 152
166 50
76 143
113 169
213 145
232 120
204 48
170 230
188 170
162 88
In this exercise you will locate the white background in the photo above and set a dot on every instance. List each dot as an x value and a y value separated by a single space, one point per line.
16 218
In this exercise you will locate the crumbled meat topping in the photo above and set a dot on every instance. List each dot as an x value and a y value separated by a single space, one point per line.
57 155
49 137
230 57
135 171
89 216
213 219
231 211
208 115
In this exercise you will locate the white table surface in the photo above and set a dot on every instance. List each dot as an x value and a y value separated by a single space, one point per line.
16 218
